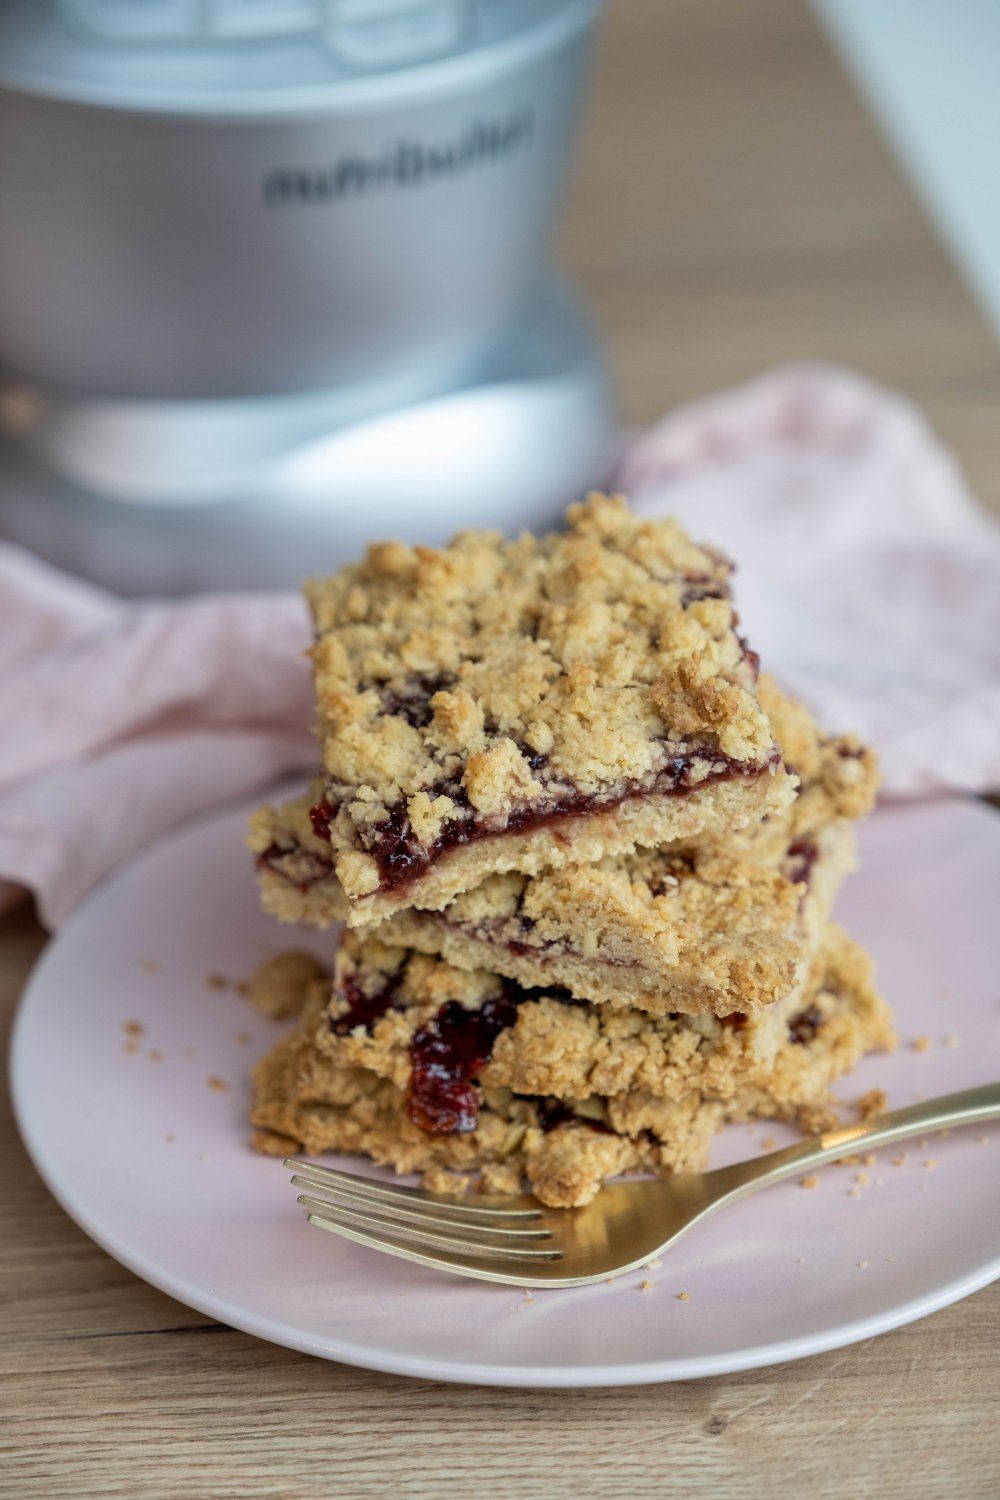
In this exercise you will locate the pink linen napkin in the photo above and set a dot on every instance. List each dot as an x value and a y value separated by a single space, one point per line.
869 582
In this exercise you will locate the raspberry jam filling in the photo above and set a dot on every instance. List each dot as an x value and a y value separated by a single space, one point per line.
803 1027
800 861
402 859
446 1056
362 1010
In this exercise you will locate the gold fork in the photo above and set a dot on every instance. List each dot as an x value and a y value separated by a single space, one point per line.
519 1242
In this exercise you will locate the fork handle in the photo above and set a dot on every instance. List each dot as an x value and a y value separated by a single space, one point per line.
964 1108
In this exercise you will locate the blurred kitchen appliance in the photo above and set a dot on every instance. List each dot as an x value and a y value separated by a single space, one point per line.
273 280
931 72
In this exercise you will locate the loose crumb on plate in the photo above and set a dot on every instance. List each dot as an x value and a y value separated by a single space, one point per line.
216 981
862 1265
646 1286
133 1028
930 1164
921 1044
218 1084
810 1181
951 1040
872 1104
280 986
684 1296
149 965
154 1054
170 1139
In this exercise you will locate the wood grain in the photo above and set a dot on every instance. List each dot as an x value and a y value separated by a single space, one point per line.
732 207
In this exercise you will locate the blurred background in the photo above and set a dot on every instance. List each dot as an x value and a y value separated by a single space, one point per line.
736 204
277 276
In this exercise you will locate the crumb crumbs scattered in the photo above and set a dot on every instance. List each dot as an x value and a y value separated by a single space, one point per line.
872 1104
810 1181
218 1084
899 1161
654 1265
921 1044
854 1192
170 1139
243 1037
133 1028
868 1160
646 1286
930 1164
154 1054
529 1296
149 966
862 1265
609 1281
862 1179
130 1048
216 981
951 1040
242 988
768 1143
684 1296
848 1161
801 1261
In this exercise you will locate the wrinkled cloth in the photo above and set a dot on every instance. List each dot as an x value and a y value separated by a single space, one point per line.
869 582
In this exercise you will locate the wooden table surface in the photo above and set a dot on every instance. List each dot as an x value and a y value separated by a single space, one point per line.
732 207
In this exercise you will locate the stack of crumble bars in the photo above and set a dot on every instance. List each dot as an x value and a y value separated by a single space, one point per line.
585 860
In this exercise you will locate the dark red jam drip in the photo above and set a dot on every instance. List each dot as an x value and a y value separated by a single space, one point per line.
401 858
363 1010
446 1056
803 1027
413 702
800 860
321 816
552 1112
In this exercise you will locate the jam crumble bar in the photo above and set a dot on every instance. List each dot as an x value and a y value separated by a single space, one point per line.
716 923
524 705
314 1093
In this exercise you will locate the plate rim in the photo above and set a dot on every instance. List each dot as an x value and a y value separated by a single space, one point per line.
556 1377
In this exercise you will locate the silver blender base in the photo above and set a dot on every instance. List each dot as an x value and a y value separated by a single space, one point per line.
262 494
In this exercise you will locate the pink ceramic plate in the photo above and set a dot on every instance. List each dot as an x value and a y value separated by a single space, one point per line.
142 1137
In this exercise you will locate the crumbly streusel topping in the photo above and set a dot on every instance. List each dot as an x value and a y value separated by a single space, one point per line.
490 675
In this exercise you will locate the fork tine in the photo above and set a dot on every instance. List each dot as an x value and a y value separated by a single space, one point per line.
419 1215
396 1195
381 1231
505 1273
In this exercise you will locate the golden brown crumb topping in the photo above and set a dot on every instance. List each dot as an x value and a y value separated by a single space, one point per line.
491 675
